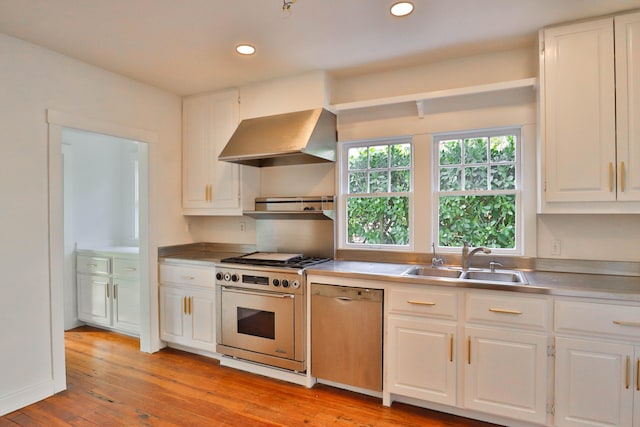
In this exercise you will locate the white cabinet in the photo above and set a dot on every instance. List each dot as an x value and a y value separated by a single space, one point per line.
187 306
211 187
597 380
505 361
421 350
108 288
589 93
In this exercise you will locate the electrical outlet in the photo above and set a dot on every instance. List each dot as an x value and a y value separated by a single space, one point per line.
243 226
556 249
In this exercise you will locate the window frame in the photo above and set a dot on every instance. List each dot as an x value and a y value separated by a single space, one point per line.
344 195
517 192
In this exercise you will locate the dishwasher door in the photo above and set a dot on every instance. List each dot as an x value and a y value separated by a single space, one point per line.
346 335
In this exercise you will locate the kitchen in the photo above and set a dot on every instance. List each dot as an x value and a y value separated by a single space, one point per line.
140 106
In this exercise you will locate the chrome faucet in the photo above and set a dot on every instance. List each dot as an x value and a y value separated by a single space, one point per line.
466 255
435 261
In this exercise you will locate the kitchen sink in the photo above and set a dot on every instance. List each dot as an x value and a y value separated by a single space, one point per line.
494 276
433 272
475 275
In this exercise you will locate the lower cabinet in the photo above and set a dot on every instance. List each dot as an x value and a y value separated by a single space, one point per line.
597 380
108 289
187 306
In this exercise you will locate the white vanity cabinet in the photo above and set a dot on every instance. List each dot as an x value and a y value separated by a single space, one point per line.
590 104
505 363
187 306
108 288
421 344
209 186
597 380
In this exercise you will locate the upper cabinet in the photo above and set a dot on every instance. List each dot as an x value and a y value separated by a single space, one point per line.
209 186
590 116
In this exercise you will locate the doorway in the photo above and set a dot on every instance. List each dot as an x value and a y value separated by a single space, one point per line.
59 123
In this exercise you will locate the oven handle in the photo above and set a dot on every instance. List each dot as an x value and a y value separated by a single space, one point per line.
267 294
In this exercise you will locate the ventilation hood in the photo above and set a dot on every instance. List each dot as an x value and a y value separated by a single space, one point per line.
285 139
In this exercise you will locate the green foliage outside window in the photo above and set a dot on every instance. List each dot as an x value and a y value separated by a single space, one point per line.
377 209
478 164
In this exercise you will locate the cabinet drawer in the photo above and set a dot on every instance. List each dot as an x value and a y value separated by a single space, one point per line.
92 264
127 268
595 318
506 310
188 275
426 302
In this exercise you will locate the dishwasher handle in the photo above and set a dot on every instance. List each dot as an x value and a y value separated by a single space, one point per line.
346 293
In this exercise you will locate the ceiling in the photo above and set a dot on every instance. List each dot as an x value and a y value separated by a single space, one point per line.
187 46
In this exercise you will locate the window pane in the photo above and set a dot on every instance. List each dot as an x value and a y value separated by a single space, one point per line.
480 220
358 158
378 220
475 178
503 148
379 157
400 155
400 181
503 177
450 152
450 179
475 150
378 182
357 182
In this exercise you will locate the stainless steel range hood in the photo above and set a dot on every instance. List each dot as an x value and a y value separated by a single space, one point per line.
284 139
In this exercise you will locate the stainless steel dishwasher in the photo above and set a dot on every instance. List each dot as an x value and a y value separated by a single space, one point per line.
346 335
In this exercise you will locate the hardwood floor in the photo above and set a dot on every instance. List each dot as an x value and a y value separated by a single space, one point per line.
110 382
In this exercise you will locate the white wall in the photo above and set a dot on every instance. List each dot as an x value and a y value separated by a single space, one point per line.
32 80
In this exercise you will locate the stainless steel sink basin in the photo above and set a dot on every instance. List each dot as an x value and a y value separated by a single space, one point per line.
494 276
433 272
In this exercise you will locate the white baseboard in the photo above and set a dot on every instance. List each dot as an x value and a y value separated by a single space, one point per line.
16 400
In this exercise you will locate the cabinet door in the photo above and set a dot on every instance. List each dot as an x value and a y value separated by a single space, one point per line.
210 186
505 373
594 383
628 105
201 309
126 305
421 360
579 112
94 299
173 315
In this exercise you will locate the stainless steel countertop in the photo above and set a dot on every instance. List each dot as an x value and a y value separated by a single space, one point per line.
201 258
612 287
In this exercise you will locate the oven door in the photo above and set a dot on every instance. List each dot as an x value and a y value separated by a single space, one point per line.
262 322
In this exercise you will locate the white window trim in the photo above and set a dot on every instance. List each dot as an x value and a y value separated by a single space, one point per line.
343 192
436 138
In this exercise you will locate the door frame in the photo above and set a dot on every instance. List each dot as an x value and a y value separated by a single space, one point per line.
57 121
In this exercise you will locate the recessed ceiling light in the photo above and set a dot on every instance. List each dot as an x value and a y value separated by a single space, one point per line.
245 49
401 8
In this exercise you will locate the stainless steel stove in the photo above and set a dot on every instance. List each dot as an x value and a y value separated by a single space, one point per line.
261 308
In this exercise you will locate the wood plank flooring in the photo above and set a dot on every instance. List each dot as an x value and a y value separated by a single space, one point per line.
111 383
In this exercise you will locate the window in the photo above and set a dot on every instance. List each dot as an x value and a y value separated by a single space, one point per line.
378 193
477 183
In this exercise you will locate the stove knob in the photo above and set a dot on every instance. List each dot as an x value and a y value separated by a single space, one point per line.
276 282
295 284
218 276
227 277
285 283
234 277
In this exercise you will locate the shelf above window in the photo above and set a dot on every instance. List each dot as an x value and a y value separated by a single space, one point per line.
420 98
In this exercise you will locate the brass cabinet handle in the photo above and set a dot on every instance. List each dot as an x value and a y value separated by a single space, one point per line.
628 369
92 265
624 323
206 193
451 349
184 305
622 176
638 375
504 311
610 177
421 302
130 269
189 303
469 350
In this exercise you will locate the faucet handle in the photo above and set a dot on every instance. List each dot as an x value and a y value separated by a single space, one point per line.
437 262
493 265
